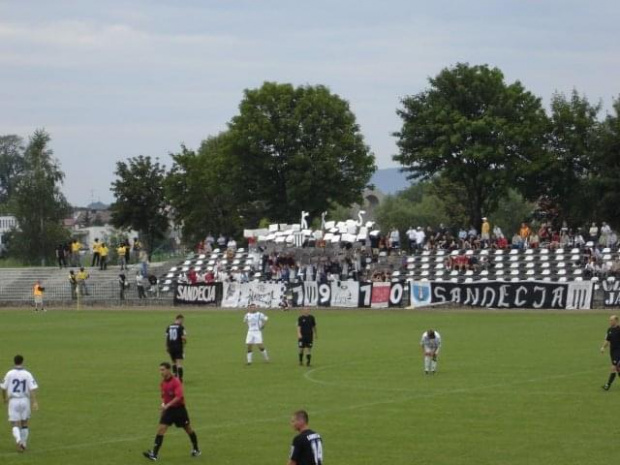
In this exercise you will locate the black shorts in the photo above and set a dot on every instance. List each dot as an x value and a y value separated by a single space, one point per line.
305 343
615 359
176 353
176 416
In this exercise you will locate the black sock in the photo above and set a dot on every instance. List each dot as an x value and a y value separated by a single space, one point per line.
174 370
308 358
180 372
612 376
159 440
301 357
194 440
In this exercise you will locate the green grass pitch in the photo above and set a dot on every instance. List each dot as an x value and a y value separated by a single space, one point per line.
512 388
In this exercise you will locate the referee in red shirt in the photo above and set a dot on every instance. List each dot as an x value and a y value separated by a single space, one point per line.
173 412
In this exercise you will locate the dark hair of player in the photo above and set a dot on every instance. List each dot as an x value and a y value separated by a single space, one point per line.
301 415
166 365
431 334
179 317
18 360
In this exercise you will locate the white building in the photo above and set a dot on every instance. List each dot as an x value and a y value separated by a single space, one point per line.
6 224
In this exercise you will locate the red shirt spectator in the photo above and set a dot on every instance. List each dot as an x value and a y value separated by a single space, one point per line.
192 277
502 243
209 277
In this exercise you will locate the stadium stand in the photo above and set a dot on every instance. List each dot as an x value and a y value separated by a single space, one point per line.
480 265
498 265
16 285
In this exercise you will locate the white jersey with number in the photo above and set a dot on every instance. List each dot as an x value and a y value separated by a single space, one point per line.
255 322
19 383
431 345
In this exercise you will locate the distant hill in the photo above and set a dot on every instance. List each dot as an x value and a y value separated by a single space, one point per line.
390 180
97 206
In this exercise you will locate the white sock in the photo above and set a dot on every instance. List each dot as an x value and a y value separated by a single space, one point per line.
265 355
249 357
16 434
427 363
25 432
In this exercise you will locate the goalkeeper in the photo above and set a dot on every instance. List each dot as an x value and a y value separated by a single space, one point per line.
430 343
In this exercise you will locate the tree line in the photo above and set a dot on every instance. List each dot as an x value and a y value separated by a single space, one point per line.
473 144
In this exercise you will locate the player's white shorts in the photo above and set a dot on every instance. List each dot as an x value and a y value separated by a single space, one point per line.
38 299
254 337
430 350
19 409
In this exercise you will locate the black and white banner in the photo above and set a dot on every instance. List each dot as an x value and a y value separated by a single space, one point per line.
198 294
611 291
346 294
496 294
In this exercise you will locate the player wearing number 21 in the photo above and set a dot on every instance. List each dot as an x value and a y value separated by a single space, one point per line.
307 447
18 389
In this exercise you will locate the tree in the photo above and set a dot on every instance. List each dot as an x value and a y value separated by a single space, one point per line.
11 165
476 131
415 206
38 204
202 191
572 143
300 148
606 175
511 211
140 201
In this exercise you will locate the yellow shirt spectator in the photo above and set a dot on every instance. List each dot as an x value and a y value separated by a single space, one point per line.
486 227
82 275
121 250
103 250
96 247
38 290
76 246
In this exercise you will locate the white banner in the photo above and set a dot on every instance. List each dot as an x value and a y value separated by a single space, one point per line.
345 294
579 295
232 294
264 295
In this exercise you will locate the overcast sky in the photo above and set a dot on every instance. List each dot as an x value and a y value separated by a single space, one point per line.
114 79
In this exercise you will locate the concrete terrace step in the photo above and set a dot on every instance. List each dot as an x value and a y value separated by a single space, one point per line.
16 283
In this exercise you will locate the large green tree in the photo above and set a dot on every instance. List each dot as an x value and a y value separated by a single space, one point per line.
299 148
415 206
572 143
38 204
140 201
202 191
606 175
11 165
475 130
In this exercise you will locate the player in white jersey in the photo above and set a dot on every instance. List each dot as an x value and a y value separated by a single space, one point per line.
430 343
18 389
256 322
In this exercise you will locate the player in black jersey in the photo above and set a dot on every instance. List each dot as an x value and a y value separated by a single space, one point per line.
307 448
306 333
613 341
175 342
